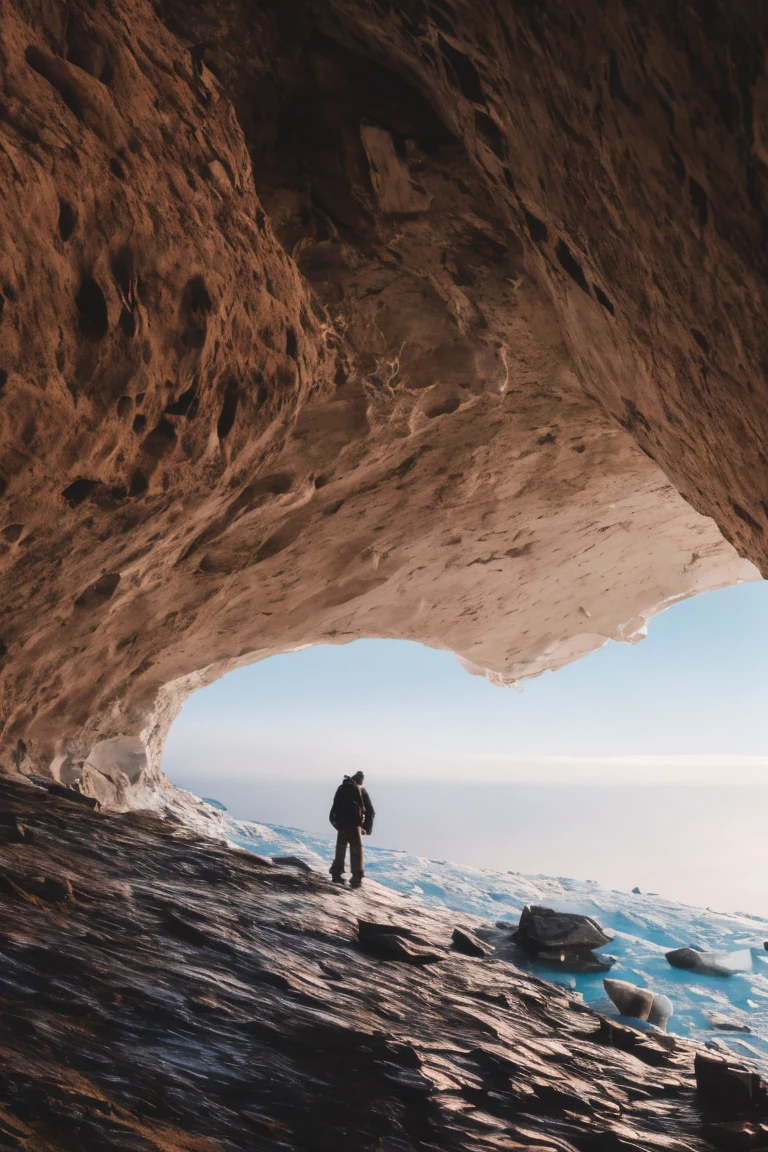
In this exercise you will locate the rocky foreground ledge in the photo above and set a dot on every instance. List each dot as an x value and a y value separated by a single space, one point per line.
161 991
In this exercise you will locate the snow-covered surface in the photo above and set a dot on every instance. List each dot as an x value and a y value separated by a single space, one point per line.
644 928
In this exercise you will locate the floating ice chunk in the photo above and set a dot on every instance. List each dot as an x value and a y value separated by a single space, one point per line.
639 1003
740 961
711 963
661 1011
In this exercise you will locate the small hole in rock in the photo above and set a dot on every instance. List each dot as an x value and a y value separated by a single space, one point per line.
699 201
571 265
746 517
160 441
700 339
139 484
139 423
195 307
124 406
228 410
140 398
489 131
603 299
3 378
67 219
183 405
98 592
464 71
79 490
677 165
127 323
443 408
92 306
12 532
3 649
116 168
278 484
123 270
537 229
291 343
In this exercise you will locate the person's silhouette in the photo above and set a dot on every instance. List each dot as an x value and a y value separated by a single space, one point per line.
351 815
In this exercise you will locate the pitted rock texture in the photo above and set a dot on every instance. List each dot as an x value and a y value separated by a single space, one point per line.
339 320
159 991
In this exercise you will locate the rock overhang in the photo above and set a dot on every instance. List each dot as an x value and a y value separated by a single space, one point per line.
434 322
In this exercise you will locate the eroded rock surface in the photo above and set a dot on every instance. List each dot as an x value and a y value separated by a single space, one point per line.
351 319
160 991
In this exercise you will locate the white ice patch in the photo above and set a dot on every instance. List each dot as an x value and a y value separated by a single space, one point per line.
644 928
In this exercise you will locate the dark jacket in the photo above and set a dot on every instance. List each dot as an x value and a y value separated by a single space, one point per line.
368 812
340 813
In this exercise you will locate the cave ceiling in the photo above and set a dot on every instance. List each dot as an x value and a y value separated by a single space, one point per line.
440 321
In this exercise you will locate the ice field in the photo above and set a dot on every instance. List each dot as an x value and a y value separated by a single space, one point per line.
644 927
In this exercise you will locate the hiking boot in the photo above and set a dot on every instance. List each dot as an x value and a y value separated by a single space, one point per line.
338 880
356 883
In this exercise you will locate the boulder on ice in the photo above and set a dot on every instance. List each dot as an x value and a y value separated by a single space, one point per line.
566 939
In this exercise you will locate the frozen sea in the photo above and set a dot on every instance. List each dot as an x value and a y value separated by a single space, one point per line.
644 927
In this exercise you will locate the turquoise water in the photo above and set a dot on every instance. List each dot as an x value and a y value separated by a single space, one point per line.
644 928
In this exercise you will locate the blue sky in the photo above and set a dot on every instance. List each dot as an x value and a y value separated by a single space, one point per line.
687 704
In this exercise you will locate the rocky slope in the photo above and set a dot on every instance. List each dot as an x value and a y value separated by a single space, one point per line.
347 319
162 992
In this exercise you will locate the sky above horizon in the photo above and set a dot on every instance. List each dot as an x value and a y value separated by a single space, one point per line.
685 705
644 764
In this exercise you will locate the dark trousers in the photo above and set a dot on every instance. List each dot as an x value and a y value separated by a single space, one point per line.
352 835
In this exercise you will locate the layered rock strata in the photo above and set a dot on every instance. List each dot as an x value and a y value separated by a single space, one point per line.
159 991
439 321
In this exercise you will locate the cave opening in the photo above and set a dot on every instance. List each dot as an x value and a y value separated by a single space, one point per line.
630 787
616 768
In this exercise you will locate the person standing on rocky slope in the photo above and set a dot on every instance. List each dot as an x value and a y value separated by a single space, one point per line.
351 815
